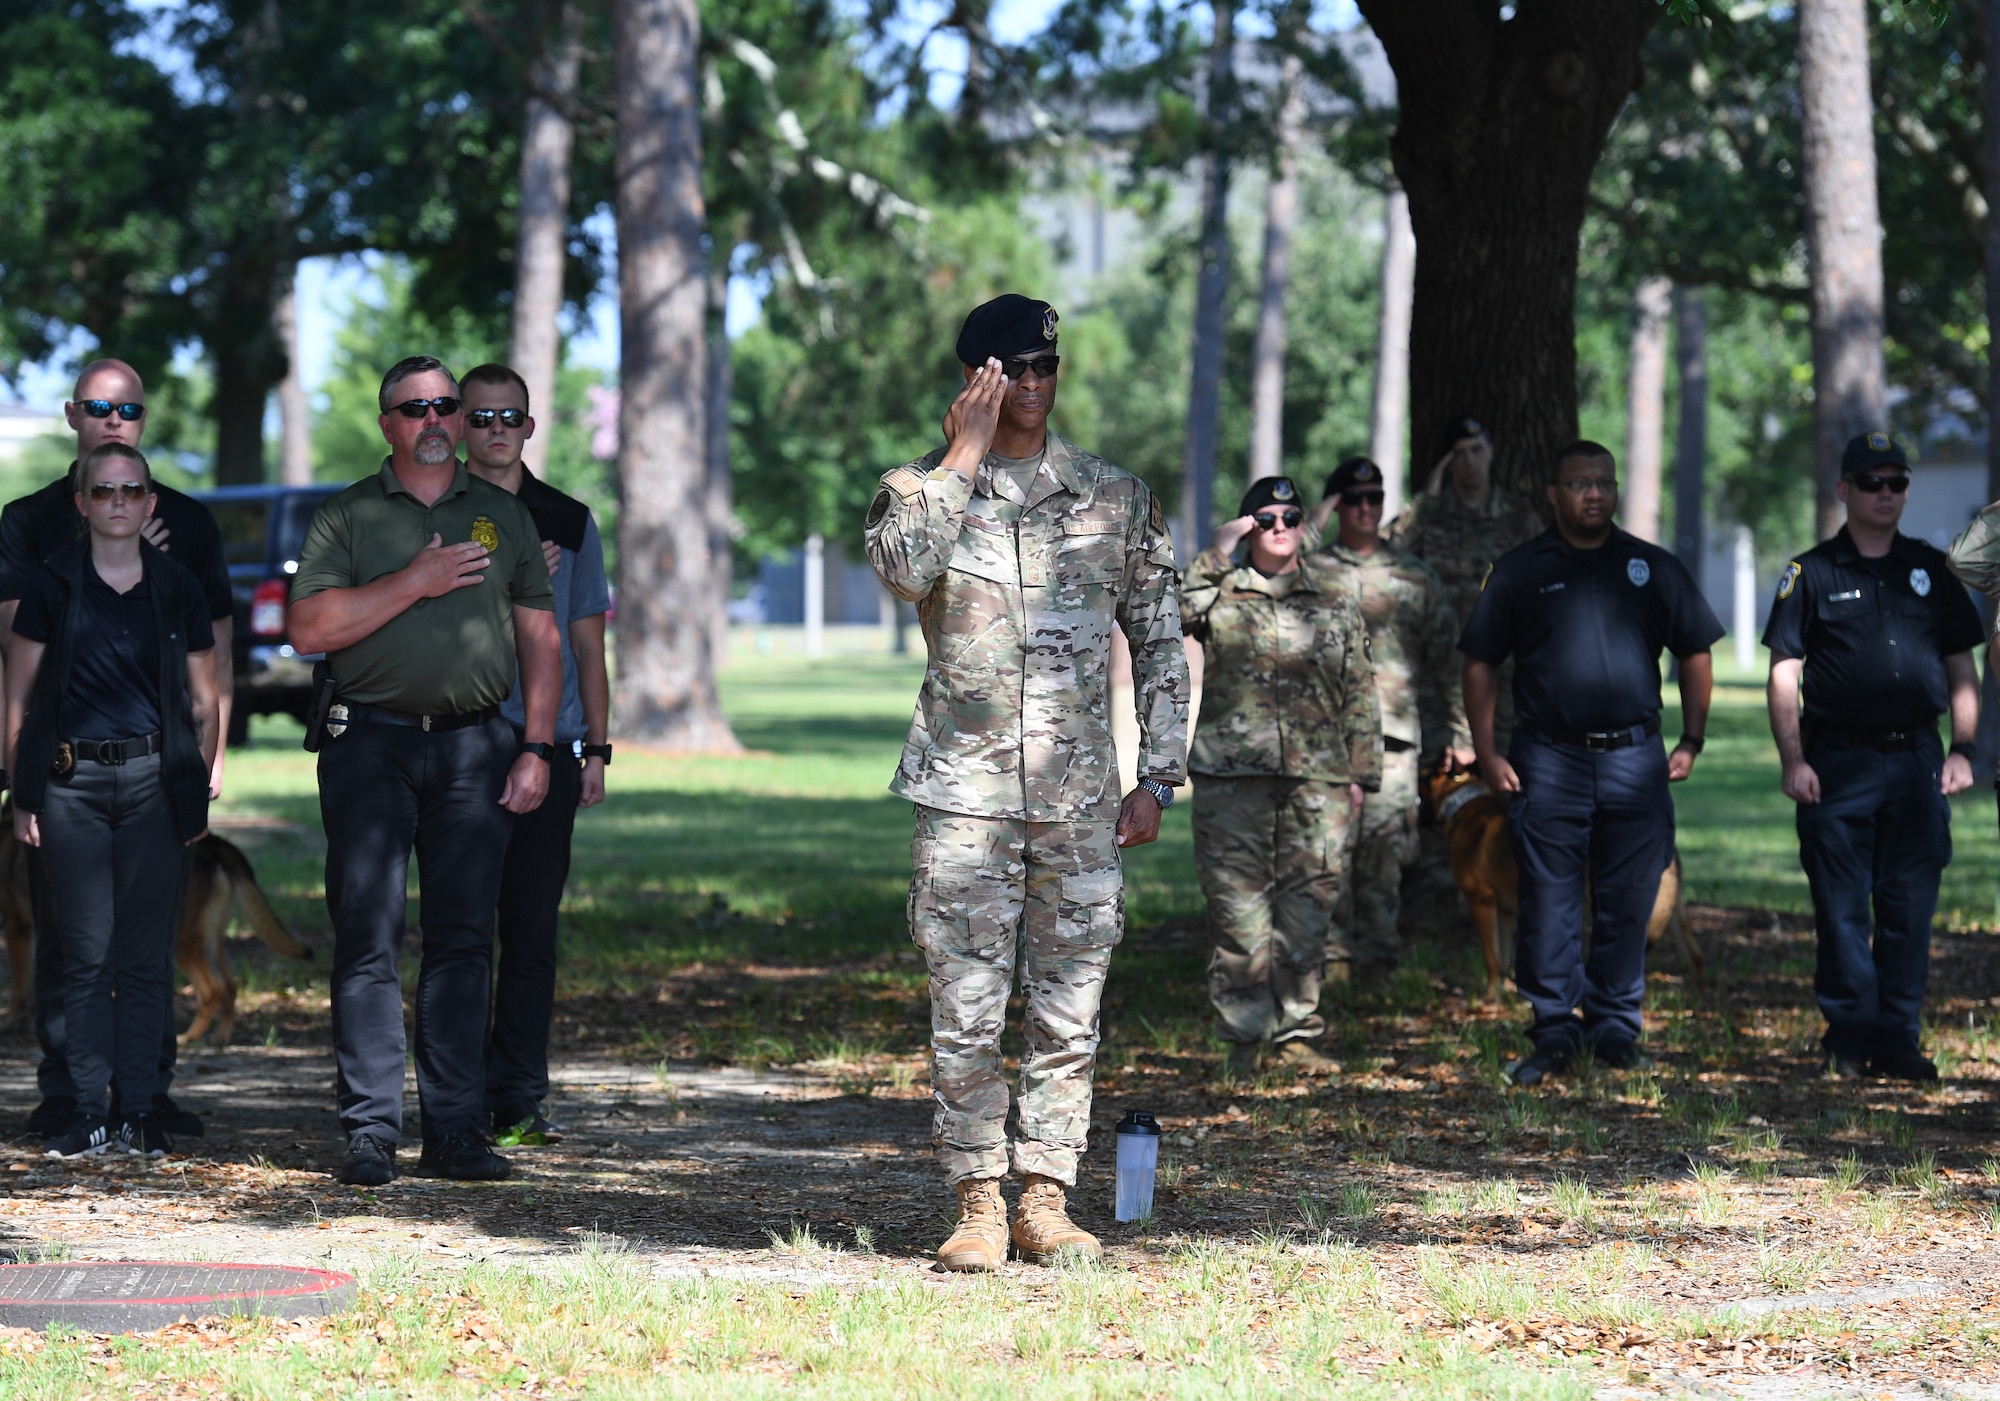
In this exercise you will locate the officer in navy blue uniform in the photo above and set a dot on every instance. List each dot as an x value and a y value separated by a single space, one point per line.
1882 636
1585 608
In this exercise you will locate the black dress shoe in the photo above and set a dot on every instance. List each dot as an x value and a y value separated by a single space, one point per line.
179 1122
1620 1055
1552 1058
1841 1066
462 1155
1904 1063
370 1162
52 1116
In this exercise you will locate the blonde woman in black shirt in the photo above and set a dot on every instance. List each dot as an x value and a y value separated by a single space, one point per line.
111 733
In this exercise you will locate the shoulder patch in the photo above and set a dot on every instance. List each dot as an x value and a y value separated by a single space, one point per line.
1789 580
879 508
903 482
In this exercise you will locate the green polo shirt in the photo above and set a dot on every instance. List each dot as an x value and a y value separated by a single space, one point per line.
440 656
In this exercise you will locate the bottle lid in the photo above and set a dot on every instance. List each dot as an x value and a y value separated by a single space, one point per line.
1139 1121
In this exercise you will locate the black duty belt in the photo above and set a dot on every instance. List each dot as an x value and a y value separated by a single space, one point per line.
1886 741
376 715
1602 741
115 751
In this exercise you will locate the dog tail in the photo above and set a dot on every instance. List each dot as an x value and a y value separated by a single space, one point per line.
256 908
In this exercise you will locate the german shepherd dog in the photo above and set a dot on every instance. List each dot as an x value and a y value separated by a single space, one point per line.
219 880
1474 822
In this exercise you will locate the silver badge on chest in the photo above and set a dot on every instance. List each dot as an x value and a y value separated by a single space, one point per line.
1920 580
1638 571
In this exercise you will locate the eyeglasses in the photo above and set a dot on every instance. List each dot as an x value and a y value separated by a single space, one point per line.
445 405
1583 486
1043 367
1268 520
1872 483
104 408
509 418
1363 498
101 492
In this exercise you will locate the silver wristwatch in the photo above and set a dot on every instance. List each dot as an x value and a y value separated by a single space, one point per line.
1162 794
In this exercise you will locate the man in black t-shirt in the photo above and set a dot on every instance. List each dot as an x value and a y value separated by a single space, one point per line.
1584 609
1882 636
109 407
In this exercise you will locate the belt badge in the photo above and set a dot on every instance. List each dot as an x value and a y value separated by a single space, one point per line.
337 717
486 533
65 763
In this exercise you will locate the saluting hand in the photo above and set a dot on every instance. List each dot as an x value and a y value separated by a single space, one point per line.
1230 533
439 568
973 418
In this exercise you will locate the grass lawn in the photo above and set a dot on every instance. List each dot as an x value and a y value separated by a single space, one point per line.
1406 1227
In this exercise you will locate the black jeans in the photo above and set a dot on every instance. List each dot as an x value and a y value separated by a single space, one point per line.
524 992
113 874
384 791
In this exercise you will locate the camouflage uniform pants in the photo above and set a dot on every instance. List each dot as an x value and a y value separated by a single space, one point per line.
1272 854
1386 847
989 895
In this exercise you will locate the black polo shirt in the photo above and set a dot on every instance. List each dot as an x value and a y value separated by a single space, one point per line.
1585 628
37 525
1873 633
114 671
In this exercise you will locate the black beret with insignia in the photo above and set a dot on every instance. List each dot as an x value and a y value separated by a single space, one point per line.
1355 471
1267 492
1867 451
1457 431
1005 326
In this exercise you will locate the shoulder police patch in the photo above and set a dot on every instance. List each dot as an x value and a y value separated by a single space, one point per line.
486 532
1638 571
1789 580
1920 581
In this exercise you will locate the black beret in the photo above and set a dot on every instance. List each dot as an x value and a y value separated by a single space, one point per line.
1457 431
1005 326
1355 471
1266 492
1868 451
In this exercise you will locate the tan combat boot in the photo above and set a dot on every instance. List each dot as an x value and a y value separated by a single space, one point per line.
1042 1225
980 1242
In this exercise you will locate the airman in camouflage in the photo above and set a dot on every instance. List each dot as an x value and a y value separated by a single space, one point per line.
1021 553
1461 523
1290 738
1413 635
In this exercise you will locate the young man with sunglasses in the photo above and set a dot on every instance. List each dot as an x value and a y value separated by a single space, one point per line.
1413 634
108 407
1022 553
427 589
1879 635
498 425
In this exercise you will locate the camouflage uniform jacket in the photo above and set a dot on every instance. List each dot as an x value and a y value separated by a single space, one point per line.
1975 555
1014 719
1288 688
1413 637
1461 543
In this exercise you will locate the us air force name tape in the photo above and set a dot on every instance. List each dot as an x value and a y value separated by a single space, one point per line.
1868 451
1267 492
1006 326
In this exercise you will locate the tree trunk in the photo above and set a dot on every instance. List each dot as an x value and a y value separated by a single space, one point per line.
667 593
1211 292
1989 707
295 449
536 353
1691 447
1267 361
1843 237
1646 408
1502 120
721 498
1391 408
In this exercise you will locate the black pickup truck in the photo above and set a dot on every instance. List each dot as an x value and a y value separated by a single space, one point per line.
262 529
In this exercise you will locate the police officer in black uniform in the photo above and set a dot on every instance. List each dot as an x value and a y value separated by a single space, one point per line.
1585 609
1882 636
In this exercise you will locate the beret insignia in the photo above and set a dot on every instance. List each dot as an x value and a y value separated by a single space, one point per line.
1365 472
1049 319
486 533
1283 492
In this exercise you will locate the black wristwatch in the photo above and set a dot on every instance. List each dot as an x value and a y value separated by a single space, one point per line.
544 752
1966 750
598 751
1692 743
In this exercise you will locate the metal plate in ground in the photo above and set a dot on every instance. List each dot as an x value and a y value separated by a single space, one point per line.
124 1296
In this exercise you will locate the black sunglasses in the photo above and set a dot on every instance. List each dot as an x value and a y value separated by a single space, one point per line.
104 408
509 418
1267 520
1871 483
445 405
1363 498
1043 367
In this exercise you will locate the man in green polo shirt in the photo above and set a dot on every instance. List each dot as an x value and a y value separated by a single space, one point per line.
426 588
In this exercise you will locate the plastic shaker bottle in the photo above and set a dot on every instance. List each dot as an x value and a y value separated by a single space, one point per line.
1138 1156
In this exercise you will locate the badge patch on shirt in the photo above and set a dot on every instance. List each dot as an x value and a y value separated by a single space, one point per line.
486 532
1920 580
1789 580
1638 571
